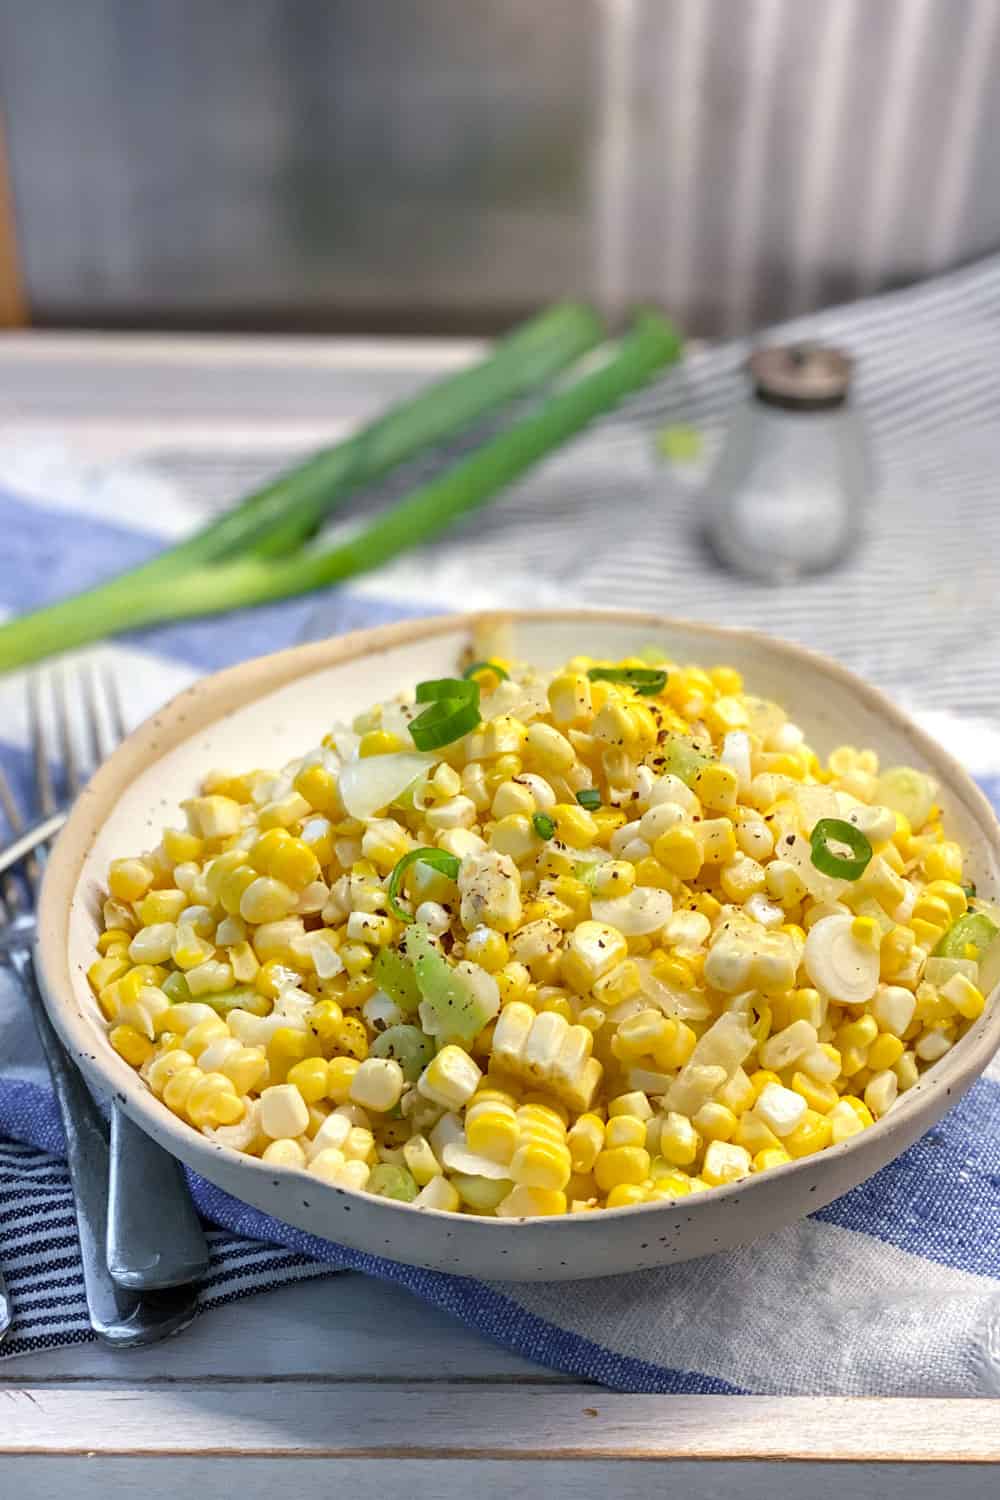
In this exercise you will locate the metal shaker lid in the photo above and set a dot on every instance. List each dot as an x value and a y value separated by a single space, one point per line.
803 377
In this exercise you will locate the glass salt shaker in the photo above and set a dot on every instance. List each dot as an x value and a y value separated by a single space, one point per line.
786 495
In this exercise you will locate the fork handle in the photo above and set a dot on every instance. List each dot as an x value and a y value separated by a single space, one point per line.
117 1316
155 1239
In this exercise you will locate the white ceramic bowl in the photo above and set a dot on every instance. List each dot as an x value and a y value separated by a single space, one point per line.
267 711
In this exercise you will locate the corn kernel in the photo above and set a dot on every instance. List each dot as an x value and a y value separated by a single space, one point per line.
530 1202
813 1134
130 1044
624 1164
129 879
680 851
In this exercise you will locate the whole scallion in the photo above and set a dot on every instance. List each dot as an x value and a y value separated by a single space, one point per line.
246 557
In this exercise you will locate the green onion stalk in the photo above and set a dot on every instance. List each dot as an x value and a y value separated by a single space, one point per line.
255 554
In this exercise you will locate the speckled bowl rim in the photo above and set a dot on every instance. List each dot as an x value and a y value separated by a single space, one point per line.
67 995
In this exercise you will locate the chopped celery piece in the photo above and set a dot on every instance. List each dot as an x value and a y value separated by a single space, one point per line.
387 1181
408 1045
244 998
457 1010
394 974
480 1194
680 758
974 928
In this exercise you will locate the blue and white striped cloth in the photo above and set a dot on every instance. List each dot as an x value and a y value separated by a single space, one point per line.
895 1288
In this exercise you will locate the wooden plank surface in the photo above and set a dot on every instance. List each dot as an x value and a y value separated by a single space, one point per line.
358 1420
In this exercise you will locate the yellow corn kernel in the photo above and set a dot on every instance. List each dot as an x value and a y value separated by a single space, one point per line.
676 1044
115 939
754 1135
897 946
212 1101
130 1044
178 1086
717 787
626 1195
350 1038
129 879
585 1140
760 1080
637 1036
884 1052
106 971
952 895
574 825
624 1130
491 1130
524 1202
245 1069
932 1007
860 1108
212 1029
340 1073
714 1122
286 1047
161 906
616 877
547 749
679 849
934 909
649 871
943 861
680 1142
771 1156
964 996
814 1133
356 957
805 1005
726 681
859 1034
927 934
819 1096
513 982
541 1163
378 742
866 930
181 847
274 976
625 1164
310 1077
319 788
592 949
608 820
570 698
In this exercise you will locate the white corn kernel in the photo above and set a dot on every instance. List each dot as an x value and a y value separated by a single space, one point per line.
781 1109
283 1111
377 1084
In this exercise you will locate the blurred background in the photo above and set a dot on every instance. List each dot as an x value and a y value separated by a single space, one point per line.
443 166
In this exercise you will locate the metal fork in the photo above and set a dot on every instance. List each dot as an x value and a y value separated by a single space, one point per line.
134 1212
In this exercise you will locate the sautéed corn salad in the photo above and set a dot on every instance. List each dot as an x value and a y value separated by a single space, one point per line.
530 943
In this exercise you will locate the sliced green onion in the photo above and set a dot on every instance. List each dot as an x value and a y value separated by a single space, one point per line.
974 928
590 798
543 825
438 688
830 831
444 722
487 666
645 680
408 1045
394 974
438 859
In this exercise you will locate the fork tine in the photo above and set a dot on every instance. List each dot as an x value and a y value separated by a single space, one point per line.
39 746
8 882
114 703
92 715
63 729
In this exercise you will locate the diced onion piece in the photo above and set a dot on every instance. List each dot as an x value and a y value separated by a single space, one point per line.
458 1158
838 964
367 786
642 911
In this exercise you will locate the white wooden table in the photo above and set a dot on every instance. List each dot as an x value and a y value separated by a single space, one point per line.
346 1386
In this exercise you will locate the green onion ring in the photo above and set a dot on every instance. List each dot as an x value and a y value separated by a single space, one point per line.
590 798
836 831
438 859
543 825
